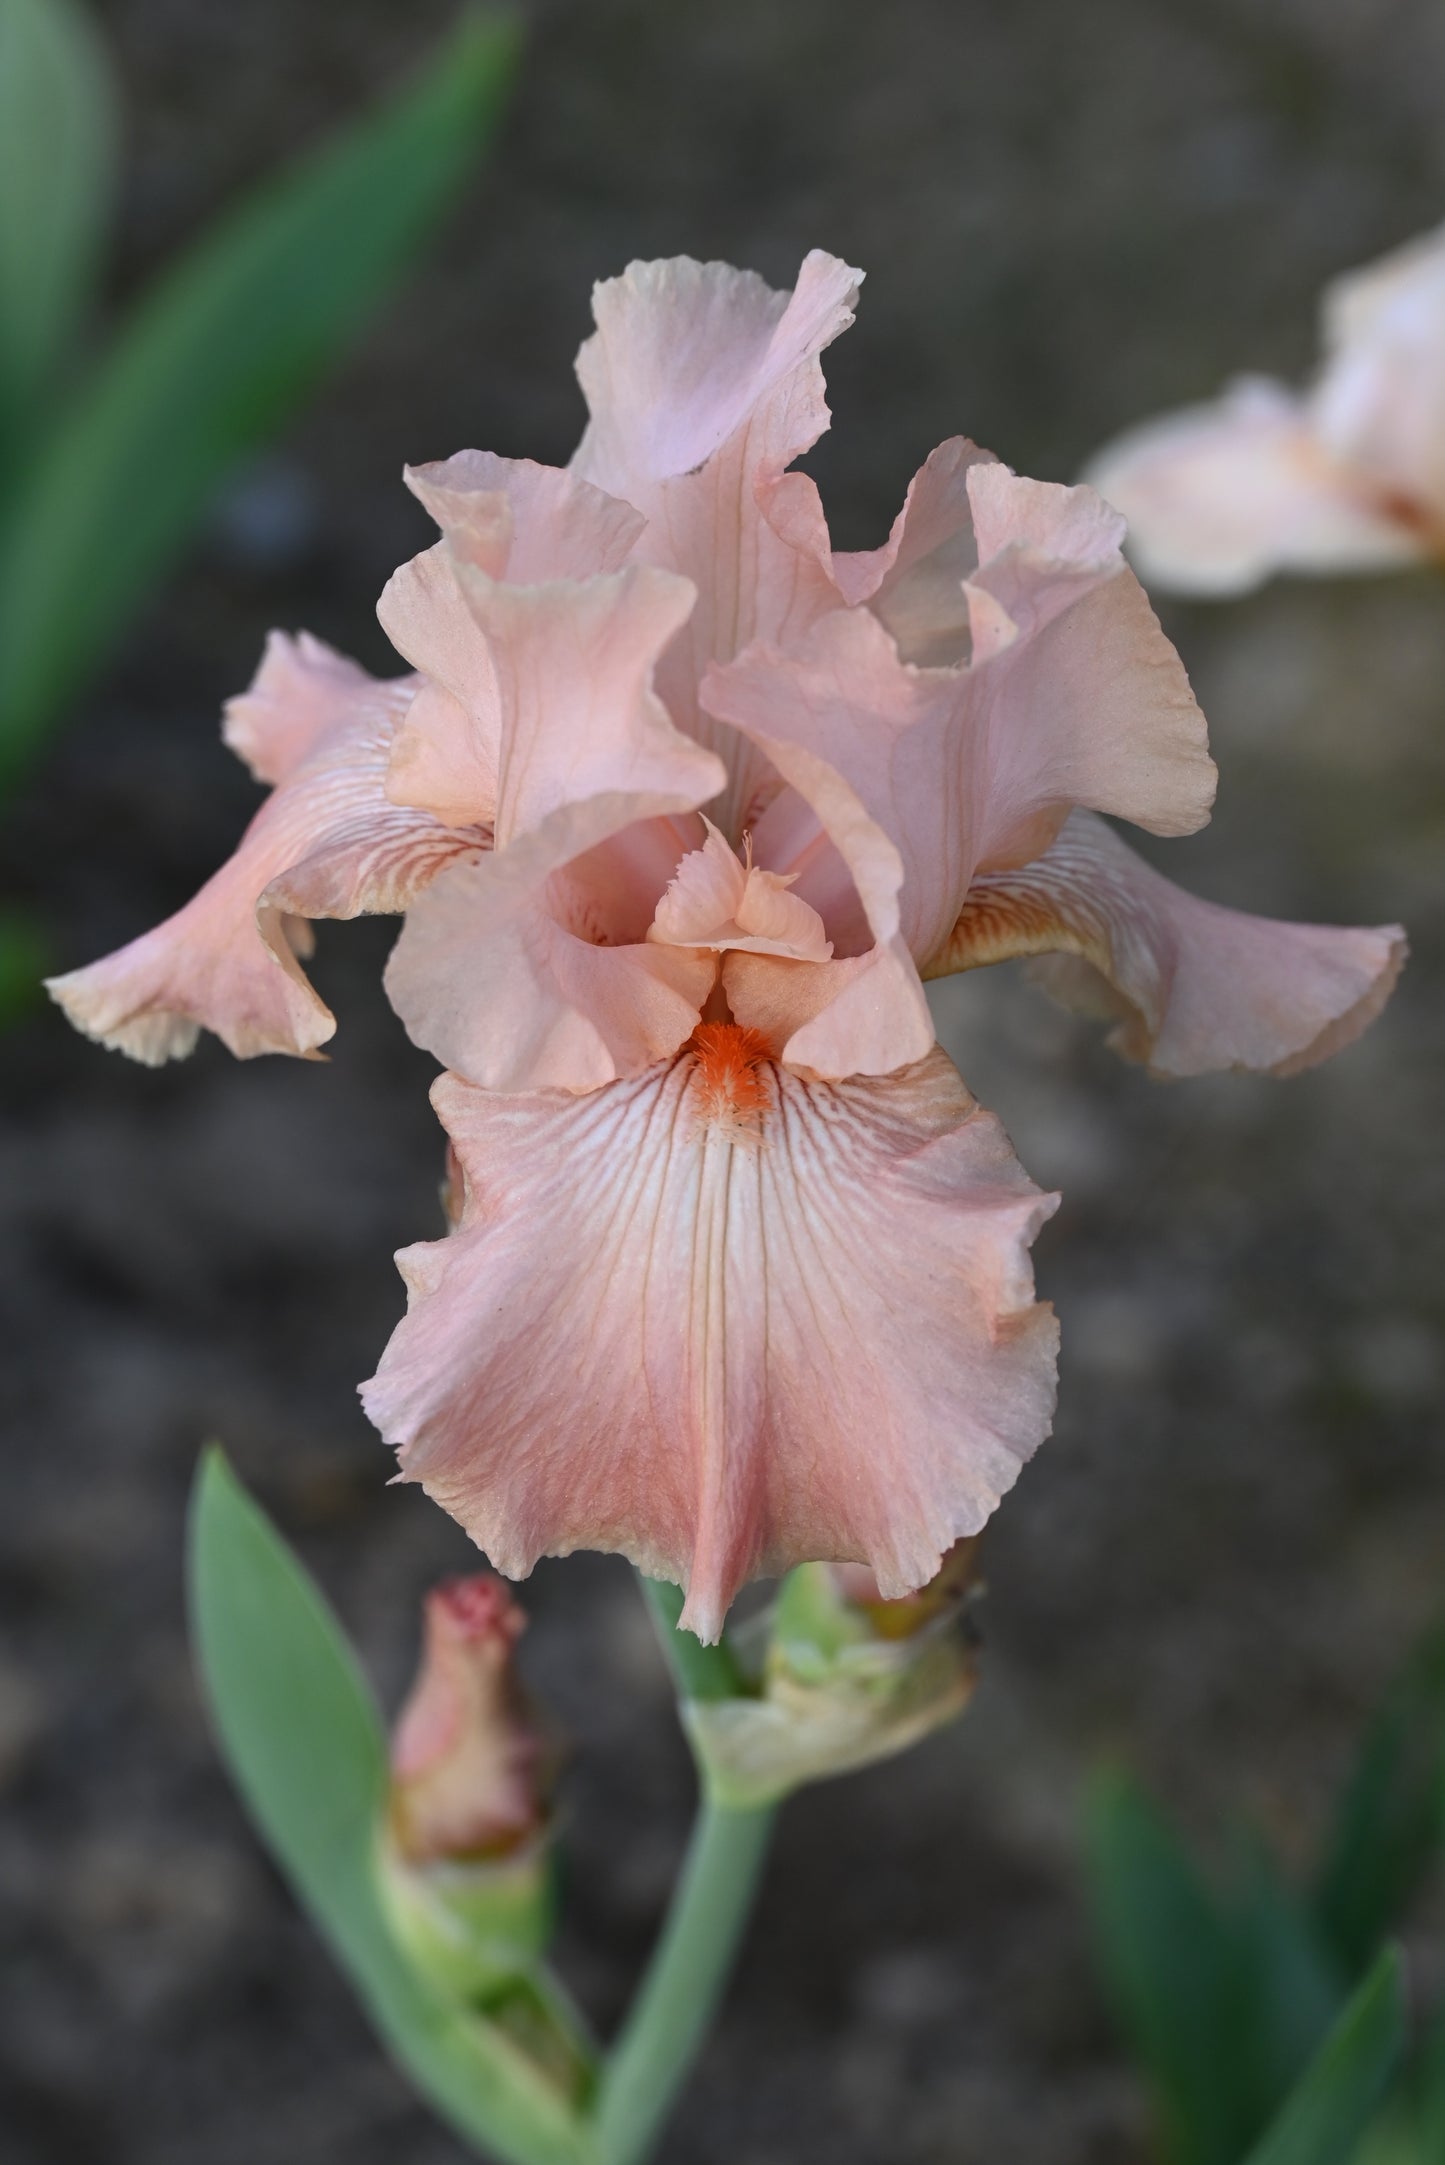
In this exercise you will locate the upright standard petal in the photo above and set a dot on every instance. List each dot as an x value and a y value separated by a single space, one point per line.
326 843
702 385
1193 987
511 520
1072 696
782 1321
1218 497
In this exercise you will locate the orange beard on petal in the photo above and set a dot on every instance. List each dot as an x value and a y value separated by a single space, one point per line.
728 1090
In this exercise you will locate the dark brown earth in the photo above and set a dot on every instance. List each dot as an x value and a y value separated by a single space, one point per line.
1069 216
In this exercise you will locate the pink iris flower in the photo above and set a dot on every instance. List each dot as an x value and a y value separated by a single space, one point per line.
682 807
1346 476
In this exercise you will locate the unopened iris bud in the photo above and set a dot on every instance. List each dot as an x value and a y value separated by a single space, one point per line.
466 1839
849 1678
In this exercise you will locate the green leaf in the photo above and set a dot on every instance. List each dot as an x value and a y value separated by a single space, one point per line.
301 1735
1389 1822
1225 1991
1171 1961
213 360
57 147
1332 2107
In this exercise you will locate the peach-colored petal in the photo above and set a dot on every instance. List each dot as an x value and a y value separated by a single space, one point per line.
444 760
703 893
1219 496
325 844
914 583
685 354
703 384
1194 987
715 901
857 1015
302 688
522 522
776 1321
509 993
922 776
500 967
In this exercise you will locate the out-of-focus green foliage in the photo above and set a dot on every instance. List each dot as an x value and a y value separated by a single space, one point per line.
1267 2018
1325 2115
57 146
304 1743
1224 1991
1390 1819
104 485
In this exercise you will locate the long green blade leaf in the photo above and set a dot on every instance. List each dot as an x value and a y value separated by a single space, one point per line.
1333 2104
212 362
1390 1819
57 146
1170 1960
303 1741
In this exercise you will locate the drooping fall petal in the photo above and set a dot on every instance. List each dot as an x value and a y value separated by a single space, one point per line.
1194 987
781 1320
1219 496
326 843
702 384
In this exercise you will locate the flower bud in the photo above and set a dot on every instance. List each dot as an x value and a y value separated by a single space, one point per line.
466 1840
848 1678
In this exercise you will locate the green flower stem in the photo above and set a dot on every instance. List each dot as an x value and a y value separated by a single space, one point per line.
699 1672
677 1998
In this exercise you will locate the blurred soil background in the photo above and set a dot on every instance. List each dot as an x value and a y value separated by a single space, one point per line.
1070 217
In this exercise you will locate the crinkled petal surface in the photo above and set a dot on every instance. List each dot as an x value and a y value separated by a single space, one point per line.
722 1320
1218 497
327 843
1195 987
506 972
923 776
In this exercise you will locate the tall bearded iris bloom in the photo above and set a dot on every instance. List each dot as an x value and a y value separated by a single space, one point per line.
682 807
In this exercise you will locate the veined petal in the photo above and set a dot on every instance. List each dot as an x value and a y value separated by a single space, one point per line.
1194 987
703 384
782 1321
326 843
302 688
1219 496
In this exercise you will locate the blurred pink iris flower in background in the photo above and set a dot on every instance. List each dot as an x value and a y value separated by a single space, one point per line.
1348 476
682 807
